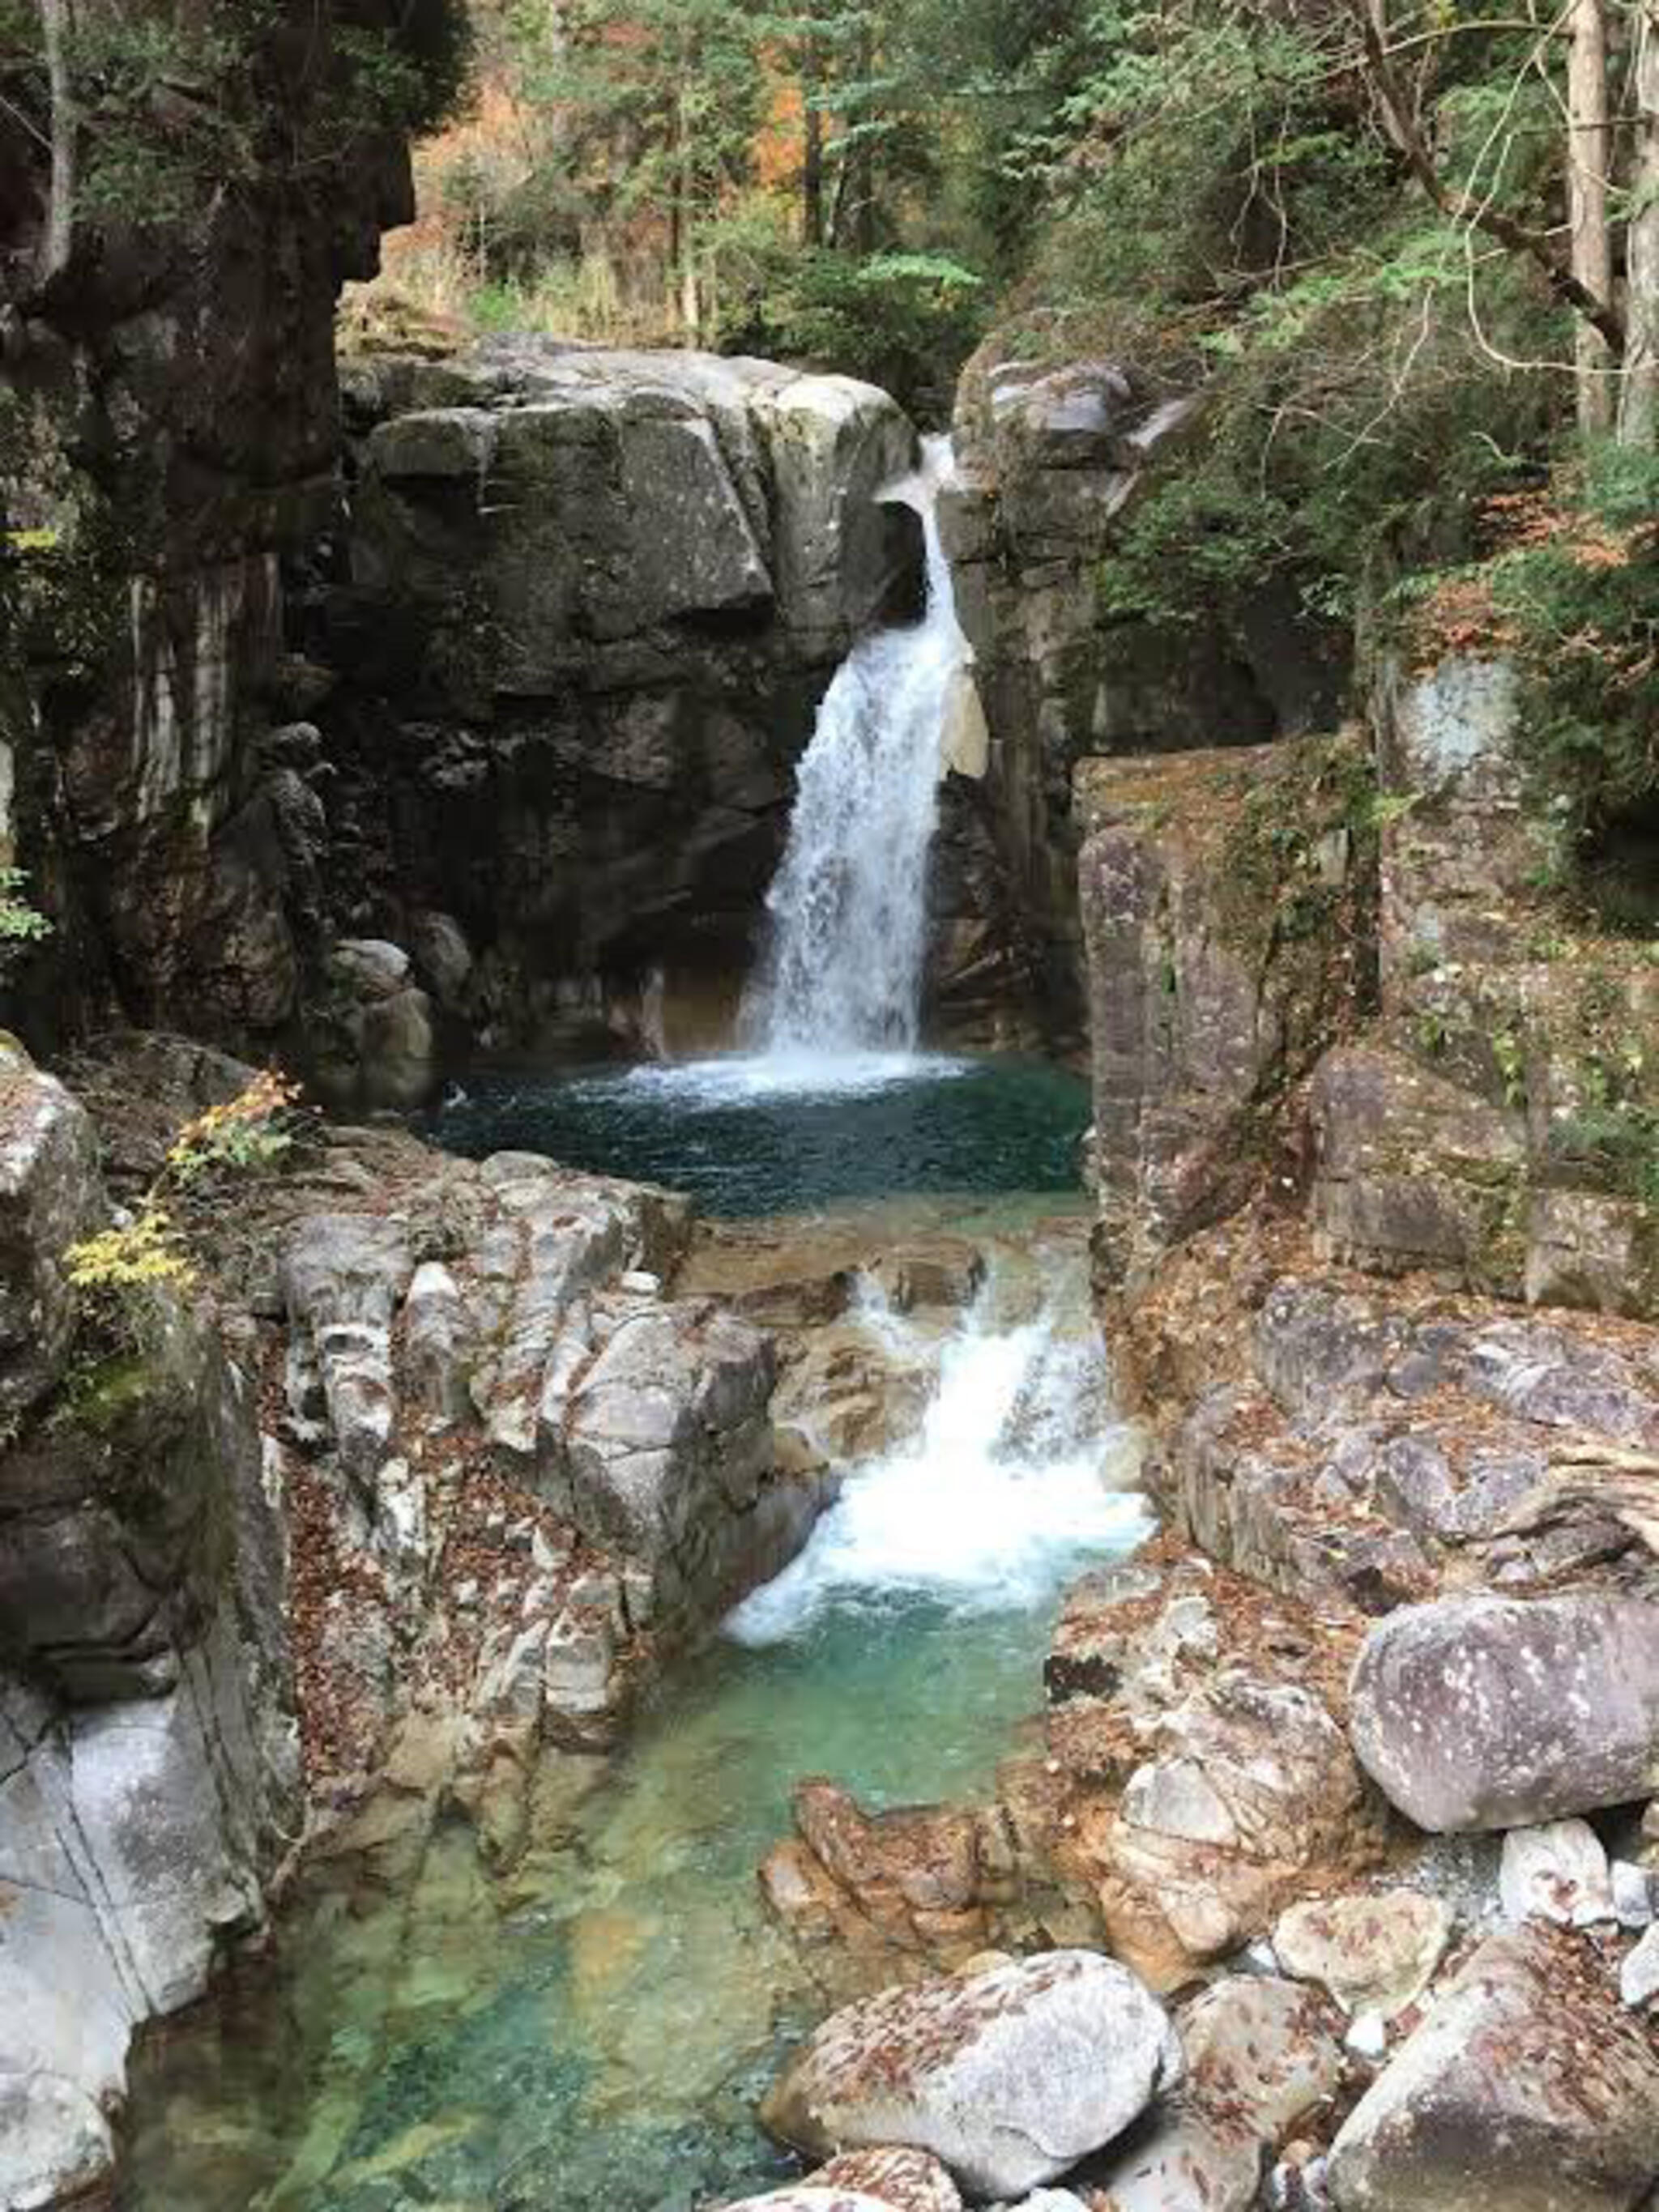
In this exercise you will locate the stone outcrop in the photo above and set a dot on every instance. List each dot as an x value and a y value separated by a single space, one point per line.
1328 1436
1223 897
1366 911
1248 1793
622 1437
149 1778
1207 1779
1049 459
594 599
1009 2078
1487 1134
510 1474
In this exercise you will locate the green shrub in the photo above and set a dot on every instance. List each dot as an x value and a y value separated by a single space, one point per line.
1577 600
906 321
20 922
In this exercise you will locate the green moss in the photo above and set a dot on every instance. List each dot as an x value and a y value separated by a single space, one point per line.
107 1394
1276 887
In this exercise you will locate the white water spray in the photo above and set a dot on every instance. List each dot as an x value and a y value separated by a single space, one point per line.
848 906
1020 1470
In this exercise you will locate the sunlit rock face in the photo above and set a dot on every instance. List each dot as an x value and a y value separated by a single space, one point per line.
149 1762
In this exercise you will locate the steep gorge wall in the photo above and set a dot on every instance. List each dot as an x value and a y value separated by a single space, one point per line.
589 605
1051 460
170 432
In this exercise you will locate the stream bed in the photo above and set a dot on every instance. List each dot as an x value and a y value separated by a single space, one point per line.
592 2033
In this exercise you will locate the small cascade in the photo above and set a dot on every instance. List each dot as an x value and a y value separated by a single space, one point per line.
842 973
1021 1469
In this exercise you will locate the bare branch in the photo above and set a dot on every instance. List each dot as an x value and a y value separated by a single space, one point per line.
1520 237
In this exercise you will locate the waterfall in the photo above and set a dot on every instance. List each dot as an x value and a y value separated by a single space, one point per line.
1021 1469
848 909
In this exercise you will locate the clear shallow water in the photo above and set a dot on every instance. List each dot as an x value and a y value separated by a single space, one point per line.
748 1137
592 2035
594 2038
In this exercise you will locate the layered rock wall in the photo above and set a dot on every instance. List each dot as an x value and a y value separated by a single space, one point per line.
1050 460
149 1774
170 432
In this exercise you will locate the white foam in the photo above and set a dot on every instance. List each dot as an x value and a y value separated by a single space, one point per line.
1017 1474
763 1079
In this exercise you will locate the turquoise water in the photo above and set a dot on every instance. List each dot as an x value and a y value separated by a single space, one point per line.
748 1137
592 2033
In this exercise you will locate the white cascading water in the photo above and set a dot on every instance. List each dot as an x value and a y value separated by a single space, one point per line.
842 974
1008 1483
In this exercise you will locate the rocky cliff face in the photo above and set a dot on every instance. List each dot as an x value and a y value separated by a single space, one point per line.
1050 459
149 1774
592 602
171 433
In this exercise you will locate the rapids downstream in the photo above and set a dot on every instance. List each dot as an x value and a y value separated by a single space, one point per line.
594 2032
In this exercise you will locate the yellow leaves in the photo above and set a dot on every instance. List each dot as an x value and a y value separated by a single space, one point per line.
148 1252
143 1254
244 1132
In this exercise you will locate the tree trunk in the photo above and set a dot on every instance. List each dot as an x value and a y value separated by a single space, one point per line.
1639 397
811 172
1590 160
1394 127
56 24
864 206
691 305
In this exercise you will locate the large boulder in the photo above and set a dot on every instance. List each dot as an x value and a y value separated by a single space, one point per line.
1010 2078
1489 1712
645 488
373 1035
1527 2087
